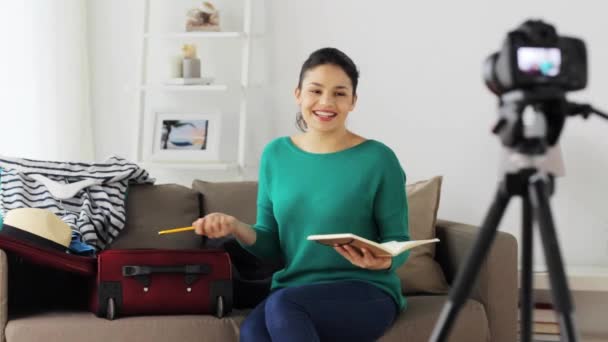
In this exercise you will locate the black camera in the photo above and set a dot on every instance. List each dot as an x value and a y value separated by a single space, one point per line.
533 56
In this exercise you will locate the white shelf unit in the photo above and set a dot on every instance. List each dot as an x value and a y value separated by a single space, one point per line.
580 278
145 87
193 35
186 88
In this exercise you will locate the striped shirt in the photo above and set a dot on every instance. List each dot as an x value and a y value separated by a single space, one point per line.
96 213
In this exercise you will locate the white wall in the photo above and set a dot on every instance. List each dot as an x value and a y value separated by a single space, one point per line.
421 92
115 36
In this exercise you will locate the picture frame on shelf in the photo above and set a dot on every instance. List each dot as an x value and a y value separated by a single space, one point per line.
186 137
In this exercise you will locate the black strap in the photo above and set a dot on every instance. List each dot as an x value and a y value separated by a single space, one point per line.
142 272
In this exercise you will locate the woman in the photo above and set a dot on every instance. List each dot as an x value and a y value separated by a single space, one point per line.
324 180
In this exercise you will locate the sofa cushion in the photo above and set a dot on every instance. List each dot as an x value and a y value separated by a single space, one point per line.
412 325
84 326
151 208
236 199
421 273
416 323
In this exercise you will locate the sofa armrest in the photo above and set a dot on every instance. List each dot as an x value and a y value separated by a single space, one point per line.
496 285
3 293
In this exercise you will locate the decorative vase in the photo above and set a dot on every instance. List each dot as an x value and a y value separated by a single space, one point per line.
191 68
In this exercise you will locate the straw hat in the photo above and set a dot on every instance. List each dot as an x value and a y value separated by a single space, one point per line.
38 226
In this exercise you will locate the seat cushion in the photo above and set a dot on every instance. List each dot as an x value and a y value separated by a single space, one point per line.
84 326
416 323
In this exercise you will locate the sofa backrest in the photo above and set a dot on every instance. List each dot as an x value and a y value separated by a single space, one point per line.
236 199
151 208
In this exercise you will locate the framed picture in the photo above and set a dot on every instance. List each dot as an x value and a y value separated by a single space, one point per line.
187 137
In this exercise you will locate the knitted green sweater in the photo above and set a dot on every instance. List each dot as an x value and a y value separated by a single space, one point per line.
359 190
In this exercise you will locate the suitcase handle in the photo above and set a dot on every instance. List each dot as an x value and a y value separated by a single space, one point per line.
142 272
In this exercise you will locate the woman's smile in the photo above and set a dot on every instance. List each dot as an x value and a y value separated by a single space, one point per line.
324 115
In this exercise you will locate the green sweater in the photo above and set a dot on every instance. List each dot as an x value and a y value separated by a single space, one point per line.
359 190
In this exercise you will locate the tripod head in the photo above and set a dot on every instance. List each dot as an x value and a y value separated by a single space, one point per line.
531 120
532 132
530 124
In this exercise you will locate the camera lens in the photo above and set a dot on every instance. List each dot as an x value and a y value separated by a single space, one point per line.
489 74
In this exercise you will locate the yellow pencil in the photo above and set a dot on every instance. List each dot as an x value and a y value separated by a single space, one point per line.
175 230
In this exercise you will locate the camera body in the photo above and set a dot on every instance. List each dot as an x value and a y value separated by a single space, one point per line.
533 56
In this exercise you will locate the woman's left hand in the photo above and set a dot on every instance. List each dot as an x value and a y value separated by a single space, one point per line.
364 258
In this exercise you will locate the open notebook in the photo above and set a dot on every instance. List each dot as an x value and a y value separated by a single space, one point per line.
390 248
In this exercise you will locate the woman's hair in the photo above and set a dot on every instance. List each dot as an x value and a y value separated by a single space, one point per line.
324 56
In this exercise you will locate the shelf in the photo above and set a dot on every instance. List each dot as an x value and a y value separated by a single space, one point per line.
153 41
580 278
214 87
592 338
202 166
194 35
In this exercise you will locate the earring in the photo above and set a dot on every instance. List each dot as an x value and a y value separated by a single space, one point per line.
300 122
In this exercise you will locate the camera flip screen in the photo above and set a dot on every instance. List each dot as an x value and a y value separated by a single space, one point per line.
539 61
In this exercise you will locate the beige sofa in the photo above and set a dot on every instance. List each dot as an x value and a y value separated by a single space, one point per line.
43 305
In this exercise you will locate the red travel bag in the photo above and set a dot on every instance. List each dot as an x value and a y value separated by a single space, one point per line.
41 255
159 281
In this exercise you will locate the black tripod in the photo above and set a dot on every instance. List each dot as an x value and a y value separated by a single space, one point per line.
535 189
535 186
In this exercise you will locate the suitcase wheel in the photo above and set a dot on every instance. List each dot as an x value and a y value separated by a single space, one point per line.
111 311
219 311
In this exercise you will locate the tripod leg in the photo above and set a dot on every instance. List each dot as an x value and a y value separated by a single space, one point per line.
559 285
526 293
467 274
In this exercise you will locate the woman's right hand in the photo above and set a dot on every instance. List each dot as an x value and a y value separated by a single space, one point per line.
216 225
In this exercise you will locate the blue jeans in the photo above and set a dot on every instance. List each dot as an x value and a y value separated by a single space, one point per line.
339 311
